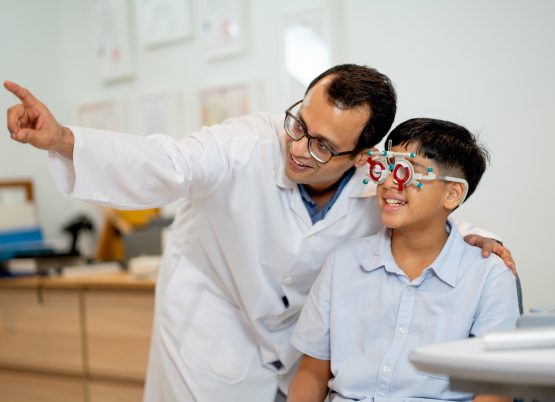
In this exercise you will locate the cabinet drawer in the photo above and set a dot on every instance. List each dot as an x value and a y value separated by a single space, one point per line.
40 331
118 326
104 391
25 387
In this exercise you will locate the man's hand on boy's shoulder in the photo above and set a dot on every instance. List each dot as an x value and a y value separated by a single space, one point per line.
489 246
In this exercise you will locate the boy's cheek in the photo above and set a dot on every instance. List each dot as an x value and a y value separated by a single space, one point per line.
379 195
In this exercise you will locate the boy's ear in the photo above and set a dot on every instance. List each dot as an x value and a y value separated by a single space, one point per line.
361 158
455 193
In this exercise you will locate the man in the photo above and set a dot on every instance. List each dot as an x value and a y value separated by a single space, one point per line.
260 209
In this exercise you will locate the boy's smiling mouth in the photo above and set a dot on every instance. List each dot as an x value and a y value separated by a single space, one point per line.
394 202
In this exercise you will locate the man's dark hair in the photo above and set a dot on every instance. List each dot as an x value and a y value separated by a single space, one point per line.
453 148
355 86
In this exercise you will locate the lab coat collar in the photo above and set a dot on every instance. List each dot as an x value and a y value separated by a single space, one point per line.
281 178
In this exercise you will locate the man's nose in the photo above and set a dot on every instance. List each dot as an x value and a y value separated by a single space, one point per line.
300 147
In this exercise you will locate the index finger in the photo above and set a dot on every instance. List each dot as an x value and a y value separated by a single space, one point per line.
23 94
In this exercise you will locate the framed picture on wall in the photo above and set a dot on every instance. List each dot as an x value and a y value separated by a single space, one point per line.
222 27
160 22
220 103
157 113
111 39
103 115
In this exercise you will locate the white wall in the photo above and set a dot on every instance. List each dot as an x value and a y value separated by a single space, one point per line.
485 64
32 54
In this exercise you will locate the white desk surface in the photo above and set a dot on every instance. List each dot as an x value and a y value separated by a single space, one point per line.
528 372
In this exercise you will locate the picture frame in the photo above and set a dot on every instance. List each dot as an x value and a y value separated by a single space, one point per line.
111 39
223 102
161 22
222 27
102 115
157 112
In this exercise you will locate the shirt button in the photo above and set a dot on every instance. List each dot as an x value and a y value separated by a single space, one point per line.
402 330
310 238
386 369
288 280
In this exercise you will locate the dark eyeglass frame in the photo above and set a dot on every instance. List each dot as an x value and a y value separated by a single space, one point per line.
310 138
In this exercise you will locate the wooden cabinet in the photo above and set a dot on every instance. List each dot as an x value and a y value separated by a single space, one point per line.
83 340
105 391
20 386
118 338
41 330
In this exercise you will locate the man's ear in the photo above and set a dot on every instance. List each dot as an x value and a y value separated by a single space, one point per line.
454 194
361 158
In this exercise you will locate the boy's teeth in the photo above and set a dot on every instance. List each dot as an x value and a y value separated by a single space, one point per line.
390 201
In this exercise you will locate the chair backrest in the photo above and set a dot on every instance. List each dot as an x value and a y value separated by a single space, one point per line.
19 225
519 295
17 206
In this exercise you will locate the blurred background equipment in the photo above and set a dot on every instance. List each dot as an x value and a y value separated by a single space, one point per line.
23 249
128 234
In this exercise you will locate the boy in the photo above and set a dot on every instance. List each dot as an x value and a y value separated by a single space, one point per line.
415 282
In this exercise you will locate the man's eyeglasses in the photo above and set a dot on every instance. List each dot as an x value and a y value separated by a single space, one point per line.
317 148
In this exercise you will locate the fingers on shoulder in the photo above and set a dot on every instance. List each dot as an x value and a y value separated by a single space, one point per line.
472 239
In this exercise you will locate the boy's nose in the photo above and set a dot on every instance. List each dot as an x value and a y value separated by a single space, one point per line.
390 182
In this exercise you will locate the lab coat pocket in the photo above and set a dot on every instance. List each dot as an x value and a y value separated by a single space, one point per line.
217 341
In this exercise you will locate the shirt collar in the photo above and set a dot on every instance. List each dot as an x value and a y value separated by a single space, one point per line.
342 183
315 214
445 266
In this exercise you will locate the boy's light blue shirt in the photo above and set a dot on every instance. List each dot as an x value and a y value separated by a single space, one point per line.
366 316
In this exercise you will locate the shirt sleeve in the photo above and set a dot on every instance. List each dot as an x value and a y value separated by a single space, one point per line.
498 307
312 331
131 171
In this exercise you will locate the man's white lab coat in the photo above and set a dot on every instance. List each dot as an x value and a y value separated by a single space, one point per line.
242 253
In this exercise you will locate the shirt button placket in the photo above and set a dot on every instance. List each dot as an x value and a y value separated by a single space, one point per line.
392 355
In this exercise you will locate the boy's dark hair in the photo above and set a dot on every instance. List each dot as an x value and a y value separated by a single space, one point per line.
355 86
452 147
